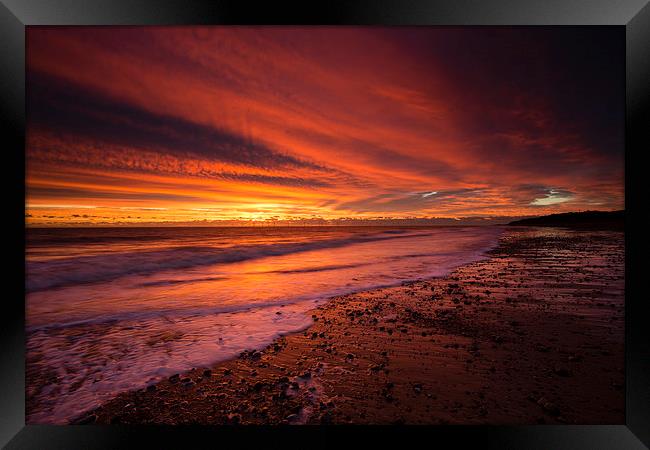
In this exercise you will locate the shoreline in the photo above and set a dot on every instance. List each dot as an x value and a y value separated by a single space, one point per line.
433 351
58 391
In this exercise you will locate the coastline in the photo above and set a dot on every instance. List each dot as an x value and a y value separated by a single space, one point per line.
488 344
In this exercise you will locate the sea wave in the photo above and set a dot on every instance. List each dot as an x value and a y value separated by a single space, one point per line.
168 314
61 272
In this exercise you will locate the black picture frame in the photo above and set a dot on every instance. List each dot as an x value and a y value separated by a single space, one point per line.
15 15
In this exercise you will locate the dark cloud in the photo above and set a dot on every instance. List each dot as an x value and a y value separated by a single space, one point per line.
54 192
529 194
381 155
68 109
416 201
571 77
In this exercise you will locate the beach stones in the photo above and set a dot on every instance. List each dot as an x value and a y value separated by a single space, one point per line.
528 387
250 354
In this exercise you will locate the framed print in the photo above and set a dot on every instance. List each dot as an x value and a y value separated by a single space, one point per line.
375 219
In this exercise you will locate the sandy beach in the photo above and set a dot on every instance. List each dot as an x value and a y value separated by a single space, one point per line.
525 336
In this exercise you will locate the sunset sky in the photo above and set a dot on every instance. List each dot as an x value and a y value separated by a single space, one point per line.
199 124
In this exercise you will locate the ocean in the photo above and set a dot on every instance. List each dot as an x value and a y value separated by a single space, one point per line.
115 309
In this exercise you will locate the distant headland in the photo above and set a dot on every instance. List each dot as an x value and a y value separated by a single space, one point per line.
586 219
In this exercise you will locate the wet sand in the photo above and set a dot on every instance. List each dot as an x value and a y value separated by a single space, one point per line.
532 334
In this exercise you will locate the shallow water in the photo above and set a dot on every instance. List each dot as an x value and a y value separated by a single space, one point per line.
110 310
